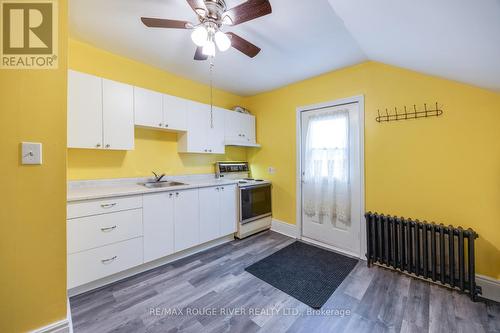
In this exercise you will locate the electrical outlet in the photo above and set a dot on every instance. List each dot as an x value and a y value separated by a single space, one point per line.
31 153
271 170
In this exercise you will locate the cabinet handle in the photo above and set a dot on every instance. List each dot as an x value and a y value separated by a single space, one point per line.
176 194
98 145
108 205
105 261
108 228
222 188
217 188
160 124
107 146
170 195
166 125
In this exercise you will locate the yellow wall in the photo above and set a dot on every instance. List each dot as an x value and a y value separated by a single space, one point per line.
444 169
154 150
33 213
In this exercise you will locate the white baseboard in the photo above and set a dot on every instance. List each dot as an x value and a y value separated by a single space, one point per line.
284 228
62 326
490 287
147 266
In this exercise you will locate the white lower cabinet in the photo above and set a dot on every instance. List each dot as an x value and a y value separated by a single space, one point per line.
228 209
94 264
218 215
186 220
89 232
108 236
209 213
158 212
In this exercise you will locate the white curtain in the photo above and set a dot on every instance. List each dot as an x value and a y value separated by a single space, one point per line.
326 187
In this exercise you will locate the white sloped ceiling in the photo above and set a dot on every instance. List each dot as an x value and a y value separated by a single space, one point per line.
454 39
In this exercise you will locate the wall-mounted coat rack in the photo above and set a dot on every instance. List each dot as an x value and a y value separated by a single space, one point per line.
409 114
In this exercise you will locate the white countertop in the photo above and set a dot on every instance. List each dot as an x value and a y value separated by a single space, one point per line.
97 189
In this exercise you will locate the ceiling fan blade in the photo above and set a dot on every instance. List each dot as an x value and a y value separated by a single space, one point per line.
247 11
199 54
243 45
164 23
198 6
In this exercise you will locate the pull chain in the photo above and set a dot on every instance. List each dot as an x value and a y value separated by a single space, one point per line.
211 93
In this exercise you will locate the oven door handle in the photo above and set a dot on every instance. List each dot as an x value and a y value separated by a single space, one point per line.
247 187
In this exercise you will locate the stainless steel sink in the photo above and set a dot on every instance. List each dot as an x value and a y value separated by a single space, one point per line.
161 184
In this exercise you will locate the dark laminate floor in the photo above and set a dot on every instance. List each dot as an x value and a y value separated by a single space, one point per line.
369 300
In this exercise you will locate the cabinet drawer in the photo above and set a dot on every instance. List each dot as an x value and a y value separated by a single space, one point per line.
102 206
88 232
91 265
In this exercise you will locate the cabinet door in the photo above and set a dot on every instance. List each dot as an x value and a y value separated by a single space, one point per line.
195 139
209 213
148 108
186 220
84 110
228 209
232 127
249 128
158 220
175 113
215 135
118 115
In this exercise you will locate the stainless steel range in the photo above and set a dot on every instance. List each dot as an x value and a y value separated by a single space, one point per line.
254 197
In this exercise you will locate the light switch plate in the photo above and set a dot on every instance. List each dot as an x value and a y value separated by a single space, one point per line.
31 153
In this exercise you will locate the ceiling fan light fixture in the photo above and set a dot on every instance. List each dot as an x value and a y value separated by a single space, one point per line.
222 40
209 49
199 35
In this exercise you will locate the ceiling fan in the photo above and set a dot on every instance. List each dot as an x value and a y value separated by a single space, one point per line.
212 16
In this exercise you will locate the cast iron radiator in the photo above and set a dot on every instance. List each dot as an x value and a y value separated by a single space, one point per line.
442 254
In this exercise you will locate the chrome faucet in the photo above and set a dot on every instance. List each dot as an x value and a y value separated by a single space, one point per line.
158 178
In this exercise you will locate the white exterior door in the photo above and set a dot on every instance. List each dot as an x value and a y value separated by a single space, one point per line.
118 115
84 111
158 211
186 219
331 176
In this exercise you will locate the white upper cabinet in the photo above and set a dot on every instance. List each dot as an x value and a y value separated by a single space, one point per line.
239 129
100 113
84 111
157 110
205 131
216 132
148 108
175 113
118 115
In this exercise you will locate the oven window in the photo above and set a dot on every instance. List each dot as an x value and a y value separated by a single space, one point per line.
255 201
